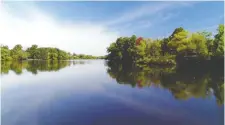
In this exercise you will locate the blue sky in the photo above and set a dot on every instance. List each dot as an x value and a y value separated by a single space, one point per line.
103 22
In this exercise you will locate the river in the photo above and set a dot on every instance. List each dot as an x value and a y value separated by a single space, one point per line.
90 92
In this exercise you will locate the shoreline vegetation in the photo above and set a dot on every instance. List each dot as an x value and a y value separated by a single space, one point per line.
40 53
181 47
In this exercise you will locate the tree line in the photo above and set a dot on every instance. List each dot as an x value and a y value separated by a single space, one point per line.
40 53
180 43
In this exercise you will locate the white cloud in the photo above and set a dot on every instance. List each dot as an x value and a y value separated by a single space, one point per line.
140 11
148 9
37 27
147 16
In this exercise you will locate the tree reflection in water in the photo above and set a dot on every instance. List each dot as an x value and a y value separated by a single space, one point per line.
35 66
182 83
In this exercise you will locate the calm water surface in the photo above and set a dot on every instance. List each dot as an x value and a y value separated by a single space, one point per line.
89 92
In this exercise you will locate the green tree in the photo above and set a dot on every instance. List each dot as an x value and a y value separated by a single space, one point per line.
198 43
164 46
5 53
33 52
18 54
153 48
53 54
218 49
209 41
43 53
178 41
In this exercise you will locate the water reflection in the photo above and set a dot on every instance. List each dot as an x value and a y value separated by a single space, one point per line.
182 83
84 94
35 66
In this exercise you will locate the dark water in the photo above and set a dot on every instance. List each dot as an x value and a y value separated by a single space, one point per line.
90 92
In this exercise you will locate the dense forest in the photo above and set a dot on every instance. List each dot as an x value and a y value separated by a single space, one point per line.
40 53
180 44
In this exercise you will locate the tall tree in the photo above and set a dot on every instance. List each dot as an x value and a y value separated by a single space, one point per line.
178 40
32 52
218 48
17 53
153 48
198 43
5 53
209 41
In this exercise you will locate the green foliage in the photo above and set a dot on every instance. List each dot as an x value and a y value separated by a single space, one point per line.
42 53
17 53
5 53
218 49
180 43
140 49
153 48
209 41
33 52
123 49
198 42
